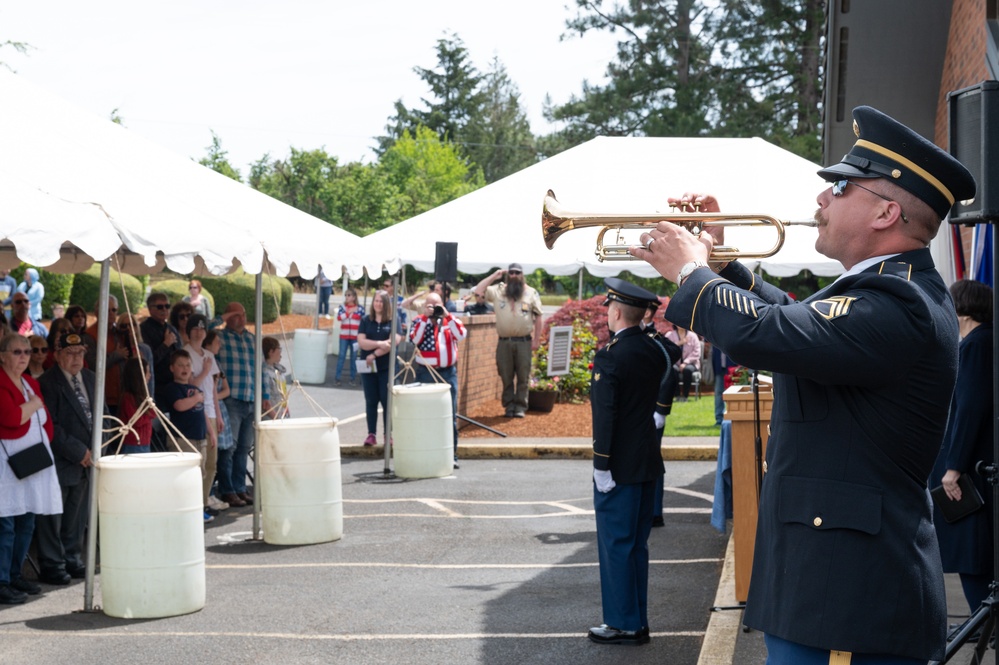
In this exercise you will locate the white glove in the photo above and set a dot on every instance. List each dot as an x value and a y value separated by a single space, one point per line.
659 419
603 480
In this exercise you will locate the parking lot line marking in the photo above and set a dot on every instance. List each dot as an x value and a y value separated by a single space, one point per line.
443 566
436 505
569 513
337 638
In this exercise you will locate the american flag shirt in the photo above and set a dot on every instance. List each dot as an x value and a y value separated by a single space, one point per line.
440 349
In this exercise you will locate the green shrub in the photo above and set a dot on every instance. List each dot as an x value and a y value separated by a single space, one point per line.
57 287
241 287
573 387
87 289
176 289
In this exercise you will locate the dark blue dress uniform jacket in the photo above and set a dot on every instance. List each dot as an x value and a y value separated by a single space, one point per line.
846 556
626 374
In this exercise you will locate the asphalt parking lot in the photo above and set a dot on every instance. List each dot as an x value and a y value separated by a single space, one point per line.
495 564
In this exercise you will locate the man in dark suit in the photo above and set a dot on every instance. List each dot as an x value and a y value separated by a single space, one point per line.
846 562
68 391
627 462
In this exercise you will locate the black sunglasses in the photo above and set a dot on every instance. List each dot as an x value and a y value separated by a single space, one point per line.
514 272
839 188
162 306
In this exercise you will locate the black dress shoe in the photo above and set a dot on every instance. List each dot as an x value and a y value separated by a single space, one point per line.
658 521
604 634
55 577
11 596
25 586
77 573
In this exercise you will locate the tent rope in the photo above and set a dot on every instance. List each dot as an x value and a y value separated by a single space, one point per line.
147 403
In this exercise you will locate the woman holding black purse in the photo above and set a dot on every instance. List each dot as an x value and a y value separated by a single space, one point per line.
27 476
966 542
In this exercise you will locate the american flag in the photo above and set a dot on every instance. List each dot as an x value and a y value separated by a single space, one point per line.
440 349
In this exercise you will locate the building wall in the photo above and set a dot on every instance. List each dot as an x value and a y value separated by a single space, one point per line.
478 382
964 65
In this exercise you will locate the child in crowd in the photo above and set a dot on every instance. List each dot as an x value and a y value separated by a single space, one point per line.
349 315
274 379
213 343
204 368
135 375
186 405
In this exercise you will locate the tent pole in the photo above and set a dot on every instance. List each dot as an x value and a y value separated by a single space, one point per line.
97 434
315 319
258 393
394 312
579 293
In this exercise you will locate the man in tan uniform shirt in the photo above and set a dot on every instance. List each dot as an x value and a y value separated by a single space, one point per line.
518 323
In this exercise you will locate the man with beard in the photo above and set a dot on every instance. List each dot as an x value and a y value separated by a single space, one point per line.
847 563
518 324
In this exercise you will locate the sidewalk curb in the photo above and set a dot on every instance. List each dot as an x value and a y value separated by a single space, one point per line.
718 647
672 453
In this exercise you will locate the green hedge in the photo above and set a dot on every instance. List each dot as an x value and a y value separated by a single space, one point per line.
87 290
176 289
57 287
240 287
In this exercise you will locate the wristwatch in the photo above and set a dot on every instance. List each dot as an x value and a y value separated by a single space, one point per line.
687 269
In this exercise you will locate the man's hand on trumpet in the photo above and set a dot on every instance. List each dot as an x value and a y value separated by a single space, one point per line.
669 247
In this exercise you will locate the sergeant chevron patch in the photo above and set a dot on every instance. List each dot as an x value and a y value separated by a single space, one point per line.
736 301
833 308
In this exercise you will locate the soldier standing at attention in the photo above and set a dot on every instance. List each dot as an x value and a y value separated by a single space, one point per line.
627 462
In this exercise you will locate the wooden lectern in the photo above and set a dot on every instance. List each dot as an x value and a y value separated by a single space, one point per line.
741 412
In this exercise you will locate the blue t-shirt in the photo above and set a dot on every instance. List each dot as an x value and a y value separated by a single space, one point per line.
377 332
191 423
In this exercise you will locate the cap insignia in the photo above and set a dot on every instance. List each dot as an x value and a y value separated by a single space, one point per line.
856 129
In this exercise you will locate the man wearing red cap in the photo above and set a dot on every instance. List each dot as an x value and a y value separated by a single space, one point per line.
847 563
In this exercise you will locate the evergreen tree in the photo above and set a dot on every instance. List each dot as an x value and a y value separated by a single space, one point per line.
700 68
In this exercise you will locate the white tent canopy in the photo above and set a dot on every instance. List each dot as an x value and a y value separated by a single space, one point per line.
75 188
501 222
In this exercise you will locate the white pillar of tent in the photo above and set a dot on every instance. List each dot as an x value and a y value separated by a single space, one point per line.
387 469
579 293
258 393
97 434
315 319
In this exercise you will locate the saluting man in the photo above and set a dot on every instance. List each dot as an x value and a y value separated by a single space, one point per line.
627 462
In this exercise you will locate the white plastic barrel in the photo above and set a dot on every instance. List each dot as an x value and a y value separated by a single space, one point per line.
423 430
152 534
309 357
301 499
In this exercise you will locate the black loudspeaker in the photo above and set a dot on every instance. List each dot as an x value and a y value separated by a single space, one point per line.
974 141
446 263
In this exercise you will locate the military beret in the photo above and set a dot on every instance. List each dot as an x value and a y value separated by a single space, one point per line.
886 148
628 294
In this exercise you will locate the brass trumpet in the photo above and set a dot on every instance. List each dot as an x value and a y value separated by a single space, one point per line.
555 221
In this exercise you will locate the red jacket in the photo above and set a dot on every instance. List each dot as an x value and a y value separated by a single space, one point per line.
11 399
